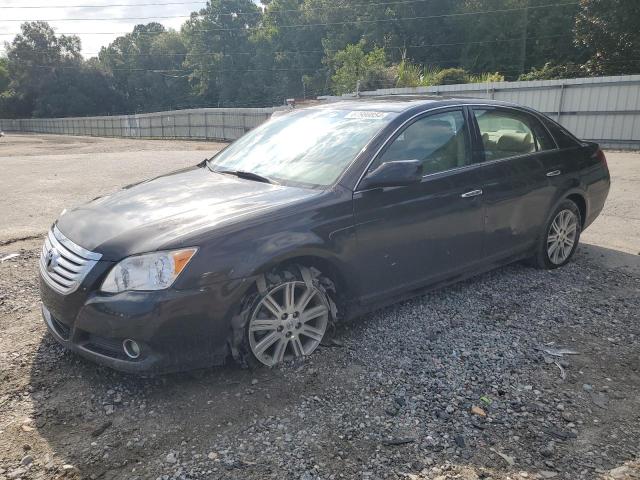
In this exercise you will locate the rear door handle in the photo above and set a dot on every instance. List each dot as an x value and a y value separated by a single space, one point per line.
555 173
472 193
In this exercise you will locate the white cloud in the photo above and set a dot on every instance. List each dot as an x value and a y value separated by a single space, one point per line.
93 33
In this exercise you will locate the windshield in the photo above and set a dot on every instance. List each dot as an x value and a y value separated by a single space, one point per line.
309 147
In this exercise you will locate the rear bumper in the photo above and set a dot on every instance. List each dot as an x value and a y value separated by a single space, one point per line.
175 329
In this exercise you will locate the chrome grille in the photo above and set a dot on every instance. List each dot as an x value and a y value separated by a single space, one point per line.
63 264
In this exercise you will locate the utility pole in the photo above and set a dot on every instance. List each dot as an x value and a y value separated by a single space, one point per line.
523 46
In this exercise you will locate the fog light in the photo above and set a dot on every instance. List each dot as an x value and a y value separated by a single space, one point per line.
131 348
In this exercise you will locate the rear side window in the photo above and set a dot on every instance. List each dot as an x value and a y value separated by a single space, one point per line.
439 141
508 133
563 137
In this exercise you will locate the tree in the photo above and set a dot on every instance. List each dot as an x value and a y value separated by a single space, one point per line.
353 65
4 75
147 68
610 33
219 50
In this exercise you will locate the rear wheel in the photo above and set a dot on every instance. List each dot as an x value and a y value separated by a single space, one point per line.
287 317
561 237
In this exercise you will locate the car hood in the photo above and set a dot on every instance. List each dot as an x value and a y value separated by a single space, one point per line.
169 210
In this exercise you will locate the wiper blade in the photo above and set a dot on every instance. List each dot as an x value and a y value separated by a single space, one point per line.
247 175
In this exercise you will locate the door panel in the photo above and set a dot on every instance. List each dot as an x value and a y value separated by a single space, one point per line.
516 203
408 236
516 147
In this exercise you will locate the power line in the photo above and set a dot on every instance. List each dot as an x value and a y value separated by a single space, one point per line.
313 69
235 14
299 52
327 24
104 5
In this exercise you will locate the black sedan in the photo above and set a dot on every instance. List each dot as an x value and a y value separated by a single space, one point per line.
315 217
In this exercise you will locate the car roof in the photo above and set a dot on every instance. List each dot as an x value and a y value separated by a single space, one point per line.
402 103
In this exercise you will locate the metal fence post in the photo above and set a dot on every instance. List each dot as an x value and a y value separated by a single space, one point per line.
560 100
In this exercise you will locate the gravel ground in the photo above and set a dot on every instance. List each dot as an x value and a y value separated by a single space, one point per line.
461 383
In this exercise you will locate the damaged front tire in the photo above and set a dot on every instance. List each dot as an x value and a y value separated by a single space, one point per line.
286 316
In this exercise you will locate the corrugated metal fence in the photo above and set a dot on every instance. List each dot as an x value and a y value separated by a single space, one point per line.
601 109
201 123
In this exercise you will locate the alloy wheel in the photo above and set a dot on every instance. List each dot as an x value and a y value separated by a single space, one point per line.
288 322
562 236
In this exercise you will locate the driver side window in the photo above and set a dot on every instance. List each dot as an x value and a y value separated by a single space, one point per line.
439 141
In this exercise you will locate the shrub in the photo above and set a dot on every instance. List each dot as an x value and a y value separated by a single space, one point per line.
553 72
451 76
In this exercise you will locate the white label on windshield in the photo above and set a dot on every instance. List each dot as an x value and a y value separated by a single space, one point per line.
367 115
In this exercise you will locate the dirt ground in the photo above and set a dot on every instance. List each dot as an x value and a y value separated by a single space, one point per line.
42 174
461 383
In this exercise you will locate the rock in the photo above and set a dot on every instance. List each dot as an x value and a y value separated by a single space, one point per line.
548 450
171 458
212 455
620 472
254 381
108 409
547 474
459 439
18 472
26 460
101 429
475 410
599 399
398 441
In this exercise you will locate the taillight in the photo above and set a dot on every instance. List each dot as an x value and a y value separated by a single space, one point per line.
601 156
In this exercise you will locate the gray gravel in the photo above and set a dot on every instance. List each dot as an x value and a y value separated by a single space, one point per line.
453 384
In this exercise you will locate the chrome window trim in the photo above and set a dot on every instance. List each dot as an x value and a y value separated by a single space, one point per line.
519 110
478 164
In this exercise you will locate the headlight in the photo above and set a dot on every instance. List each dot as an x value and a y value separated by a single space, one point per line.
151 271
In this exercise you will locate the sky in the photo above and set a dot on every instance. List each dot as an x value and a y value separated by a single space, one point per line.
82 18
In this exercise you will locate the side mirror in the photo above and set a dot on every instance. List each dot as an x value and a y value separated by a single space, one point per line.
393 174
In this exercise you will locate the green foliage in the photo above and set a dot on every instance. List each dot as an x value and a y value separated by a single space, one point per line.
4 75
553 72
429 74
146 68
408 74
451 76
352 65
486 78
234 53
610 32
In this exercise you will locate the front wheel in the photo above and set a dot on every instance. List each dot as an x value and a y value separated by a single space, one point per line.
561 237
288 316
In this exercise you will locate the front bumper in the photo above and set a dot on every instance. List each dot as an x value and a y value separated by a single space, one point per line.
176 329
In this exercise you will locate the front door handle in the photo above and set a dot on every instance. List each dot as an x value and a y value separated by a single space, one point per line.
555 173
472 193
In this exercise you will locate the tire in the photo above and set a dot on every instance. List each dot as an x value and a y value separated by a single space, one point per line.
560 237
286 316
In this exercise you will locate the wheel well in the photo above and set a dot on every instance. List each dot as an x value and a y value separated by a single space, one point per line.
582 206
330 270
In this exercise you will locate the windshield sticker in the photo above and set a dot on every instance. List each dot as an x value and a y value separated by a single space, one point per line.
367 115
